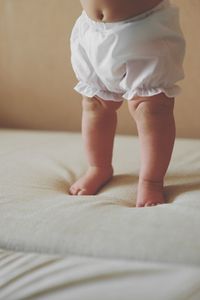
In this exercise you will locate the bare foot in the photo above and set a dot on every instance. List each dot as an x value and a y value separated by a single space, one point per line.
92 181
150 194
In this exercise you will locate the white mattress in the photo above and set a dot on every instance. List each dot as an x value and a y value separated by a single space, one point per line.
37 215
43 277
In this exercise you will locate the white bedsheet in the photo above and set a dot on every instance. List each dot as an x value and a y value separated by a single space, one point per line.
42 277
38 215
57 246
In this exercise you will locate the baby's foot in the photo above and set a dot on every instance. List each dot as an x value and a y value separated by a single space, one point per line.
149 193
92 181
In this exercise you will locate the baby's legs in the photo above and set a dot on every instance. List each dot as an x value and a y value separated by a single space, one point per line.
156 129
99 121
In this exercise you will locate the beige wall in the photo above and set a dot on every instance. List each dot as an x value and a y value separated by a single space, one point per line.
36 79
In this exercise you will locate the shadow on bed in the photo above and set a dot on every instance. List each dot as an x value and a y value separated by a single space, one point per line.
122 186
190 183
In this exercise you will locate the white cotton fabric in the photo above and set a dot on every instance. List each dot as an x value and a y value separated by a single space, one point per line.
32 276
94 247
37 214
141 56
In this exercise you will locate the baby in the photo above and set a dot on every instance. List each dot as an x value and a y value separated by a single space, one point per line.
133 50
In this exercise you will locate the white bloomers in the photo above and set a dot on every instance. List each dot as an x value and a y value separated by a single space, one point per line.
142 56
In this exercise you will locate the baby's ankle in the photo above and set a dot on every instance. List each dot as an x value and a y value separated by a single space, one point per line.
102 168
151 184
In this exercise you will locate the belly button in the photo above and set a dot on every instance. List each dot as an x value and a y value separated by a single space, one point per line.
100 16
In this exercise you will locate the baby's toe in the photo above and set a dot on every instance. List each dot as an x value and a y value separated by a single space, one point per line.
82 192
74 190
77 191
149 204
152 204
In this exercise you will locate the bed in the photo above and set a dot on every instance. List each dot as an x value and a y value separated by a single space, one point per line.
57 246
93 246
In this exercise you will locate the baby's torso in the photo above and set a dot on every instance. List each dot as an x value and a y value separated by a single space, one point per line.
116 10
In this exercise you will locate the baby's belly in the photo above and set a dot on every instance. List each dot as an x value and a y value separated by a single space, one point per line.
116 10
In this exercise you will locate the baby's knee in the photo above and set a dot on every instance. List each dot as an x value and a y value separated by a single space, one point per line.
98 105
90 104
155 106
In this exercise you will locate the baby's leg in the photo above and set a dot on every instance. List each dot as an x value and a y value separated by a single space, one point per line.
99 121
156 129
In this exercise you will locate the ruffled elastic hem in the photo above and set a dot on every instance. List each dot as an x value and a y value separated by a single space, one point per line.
90 92
170 92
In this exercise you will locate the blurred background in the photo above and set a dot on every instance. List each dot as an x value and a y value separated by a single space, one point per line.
36 77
